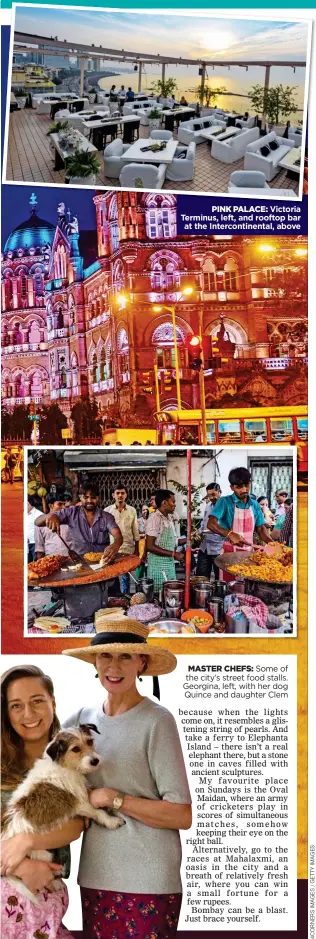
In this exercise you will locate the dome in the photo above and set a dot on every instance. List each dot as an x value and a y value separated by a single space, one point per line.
35 232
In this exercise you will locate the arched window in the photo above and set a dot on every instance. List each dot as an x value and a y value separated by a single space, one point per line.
8 290
113 224
95 368
165 273
230 276
36 384
163 340
161 222
19 386
209 276
23 285
63 261
123 351
103 364
59 318
63 376
34 335
38 285
74 373
60 262
18 338
156 277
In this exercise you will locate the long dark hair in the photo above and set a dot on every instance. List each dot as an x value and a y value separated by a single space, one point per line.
12 750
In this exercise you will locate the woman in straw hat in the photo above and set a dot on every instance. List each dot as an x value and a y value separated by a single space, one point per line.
130 879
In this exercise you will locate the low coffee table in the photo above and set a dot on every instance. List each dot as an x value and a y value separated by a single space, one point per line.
135 154
289 161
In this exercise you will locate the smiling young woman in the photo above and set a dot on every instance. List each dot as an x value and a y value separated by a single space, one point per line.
28 723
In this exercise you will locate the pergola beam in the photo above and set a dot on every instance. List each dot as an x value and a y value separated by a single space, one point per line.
74 49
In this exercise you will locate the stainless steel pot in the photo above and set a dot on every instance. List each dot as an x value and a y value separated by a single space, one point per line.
173 610
220 589
146 586
173 593
202 594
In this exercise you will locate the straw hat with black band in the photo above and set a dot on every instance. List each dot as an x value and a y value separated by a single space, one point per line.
126 635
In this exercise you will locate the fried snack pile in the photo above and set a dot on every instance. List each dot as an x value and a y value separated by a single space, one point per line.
44 567
93 557
270 569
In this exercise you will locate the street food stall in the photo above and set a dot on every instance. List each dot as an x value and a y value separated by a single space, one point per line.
252 593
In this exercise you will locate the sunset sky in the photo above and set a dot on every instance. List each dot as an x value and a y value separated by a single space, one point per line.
189 36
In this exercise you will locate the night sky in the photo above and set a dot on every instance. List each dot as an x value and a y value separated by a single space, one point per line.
16 208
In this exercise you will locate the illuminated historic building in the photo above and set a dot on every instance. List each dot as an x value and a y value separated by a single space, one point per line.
86 313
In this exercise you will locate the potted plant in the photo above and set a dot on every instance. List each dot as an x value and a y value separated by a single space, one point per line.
21 98
274 103
164 88
207 96
82 168
154 118
56 128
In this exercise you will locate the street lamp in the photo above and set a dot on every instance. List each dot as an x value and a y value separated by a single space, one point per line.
122 300
187 291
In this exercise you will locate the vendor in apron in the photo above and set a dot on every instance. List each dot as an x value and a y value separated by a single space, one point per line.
161 540
239 516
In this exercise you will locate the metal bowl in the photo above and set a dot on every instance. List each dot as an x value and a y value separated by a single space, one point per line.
171 627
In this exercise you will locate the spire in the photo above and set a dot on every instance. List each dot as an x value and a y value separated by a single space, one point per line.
33 204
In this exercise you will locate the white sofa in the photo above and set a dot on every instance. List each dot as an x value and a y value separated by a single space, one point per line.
190 131
228 151
143 105
253 183
143 176
113 163
141 109
182 169
269 165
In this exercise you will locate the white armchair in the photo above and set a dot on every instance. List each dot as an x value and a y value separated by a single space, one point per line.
228 151
247 181
113 163
143 176
246 123
295 136
182 169
62 115
161 134
268 163
43 107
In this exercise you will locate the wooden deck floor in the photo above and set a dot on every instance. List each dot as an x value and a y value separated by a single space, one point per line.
30 159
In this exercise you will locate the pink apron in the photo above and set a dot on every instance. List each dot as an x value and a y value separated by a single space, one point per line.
244 525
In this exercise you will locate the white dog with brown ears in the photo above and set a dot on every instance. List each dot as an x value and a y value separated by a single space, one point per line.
55 790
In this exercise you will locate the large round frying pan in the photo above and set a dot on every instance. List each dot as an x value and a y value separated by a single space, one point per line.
225 561
128 562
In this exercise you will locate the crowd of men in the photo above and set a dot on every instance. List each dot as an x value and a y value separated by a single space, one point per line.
229 523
